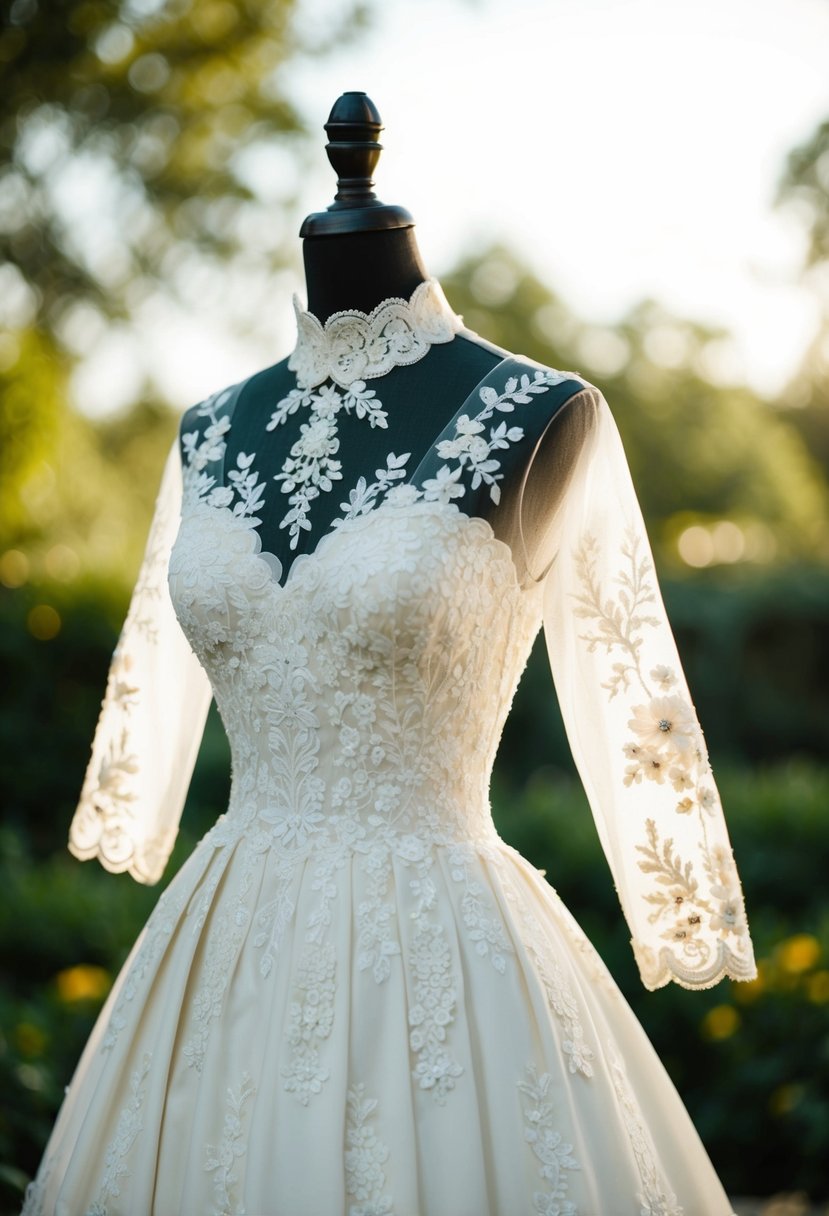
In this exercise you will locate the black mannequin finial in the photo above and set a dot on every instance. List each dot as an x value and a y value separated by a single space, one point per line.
354 148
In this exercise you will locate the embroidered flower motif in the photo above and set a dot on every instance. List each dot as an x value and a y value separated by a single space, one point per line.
212 444
327 402
220 1160
292 828
559 993
130 1124
432 1010
311 469
472 450
729 916
403 496
445 486
647 763
363 498
666 722
318 440
681 780
663 677
310 1018
707 798
684 928
376 941
554 1156
365 1156
483 923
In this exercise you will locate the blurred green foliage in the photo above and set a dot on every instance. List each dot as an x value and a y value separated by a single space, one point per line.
159 105
700 452
128 129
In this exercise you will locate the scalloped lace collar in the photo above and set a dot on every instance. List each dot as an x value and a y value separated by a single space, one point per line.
355 345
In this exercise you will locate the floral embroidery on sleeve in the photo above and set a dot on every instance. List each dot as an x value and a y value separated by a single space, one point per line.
696 903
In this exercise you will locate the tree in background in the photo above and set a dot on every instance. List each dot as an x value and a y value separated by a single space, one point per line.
804 188
129 128
703 452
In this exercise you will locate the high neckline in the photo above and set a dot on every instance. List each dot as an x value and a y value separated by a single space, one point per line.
354 345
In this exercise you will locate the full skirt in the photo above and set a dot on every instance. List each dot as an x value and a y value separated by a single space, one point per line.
427 1033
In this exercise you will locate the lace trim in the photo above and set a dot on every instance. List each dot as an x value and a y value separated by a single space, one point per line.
657 970
354 345
656 1198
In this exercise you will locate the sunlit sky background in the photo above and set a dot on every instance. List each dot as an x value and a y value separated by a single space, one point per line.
624 148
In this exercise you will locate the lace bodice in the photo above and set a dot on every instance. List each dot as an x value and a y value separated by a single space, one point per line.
364 689
340 691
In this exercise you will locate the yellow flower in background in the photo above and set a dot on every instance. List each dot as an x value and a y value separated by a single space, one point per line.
817 987
799 953
82 983
752 990
720 1022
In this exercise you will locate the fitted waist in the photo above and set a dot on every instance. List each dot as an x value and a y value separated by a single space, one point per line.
351 815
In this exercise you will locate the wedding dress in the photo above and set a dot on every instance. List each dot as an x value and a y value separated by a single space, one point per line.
355 997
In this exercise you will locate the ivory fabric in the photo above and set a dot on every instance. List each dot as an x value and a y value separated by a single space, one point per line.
355 997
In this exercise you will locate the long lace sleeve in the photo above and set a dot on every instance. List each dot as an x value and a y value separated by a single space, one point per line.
151 721
633 729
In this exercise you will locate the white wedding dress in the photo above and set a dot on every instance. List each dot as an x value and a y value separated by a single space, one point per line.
355 997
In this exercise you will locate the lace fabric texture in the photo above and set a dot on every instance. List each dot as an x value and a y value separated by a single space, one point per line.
353 968
151 720
354 345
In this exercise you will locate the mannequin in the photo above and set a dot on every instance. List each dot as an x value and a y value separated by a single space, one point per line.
354 996
358 254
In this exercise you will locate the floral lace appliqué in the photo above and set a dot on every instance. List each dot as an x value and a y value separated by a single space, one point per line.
354 345
432 1010
365 1156
220 1160
311 467
310 1019
129 1125
656 1198
482 921
555 1157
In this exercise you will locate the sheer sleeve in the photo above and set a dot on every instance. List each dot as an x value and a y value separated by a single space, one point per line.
151 722
633 729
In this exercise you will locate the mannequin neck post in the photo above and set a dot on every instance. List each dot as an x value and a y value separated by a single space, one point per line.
360 270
